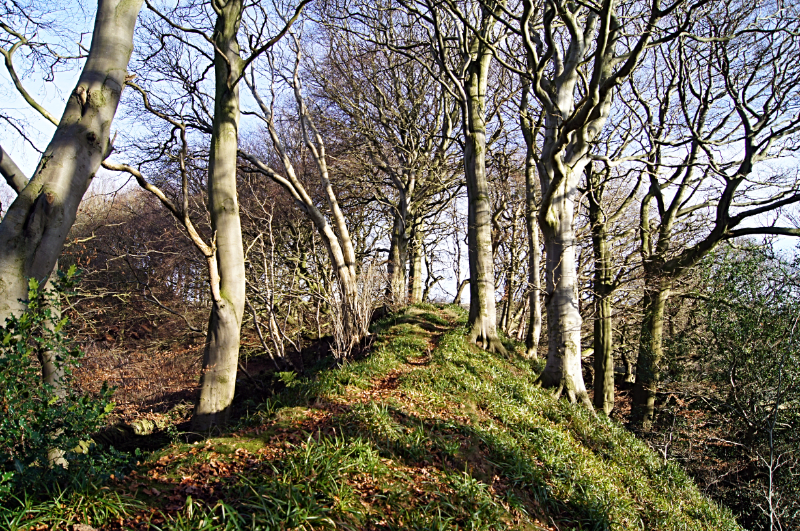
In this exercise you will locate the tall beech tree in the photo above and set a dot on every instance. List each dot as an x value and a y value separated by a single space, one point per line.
530 132
608 272
33 230
224 252
461 37
612 186
455 42
575 57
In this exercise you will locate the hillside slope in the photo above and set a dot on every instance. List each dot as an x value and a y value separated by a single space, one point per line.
427 432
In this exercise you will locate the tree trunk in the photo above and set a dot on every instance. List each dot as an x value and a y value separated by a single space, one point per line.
460 291
398 256
535 286
221 356
520 328
482 311
415 266
534 253
563 368
650 349
33 231
52 369
506 302
628 376
603 349
602 287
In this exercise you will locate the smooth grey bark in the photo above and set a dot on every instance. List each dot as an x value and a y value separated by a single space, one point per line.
602 289
35 227
415 265
563 368
52 372
459 38
221 355
534 331
224 253
13 175
482 322
398 257
529 132
572 44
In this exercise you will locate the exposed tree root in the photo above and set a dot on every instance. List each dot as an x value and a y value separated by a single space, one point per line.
564 386
531 353
487 341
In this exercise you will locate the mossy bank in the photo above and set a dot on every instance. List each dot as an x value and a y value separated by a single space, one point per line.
426 432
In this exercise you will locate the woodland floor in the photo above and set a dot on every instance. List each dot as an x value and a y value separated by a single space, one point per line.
421 431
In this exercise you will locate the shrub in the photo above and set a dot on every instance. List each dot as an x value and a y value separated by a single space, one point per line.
42 429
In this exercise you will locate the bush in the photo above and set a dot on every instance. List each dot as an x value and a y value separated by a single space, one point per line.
742 347
43 430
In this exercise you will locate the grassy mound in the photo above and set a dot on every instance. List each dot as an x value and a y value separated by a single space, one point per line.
427 432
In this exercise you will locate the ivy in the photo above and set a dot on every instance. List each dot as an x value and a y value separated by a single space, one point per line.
42 431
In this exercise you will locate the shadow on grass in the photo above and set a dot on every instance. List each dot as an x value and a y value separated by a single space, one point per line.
416 448
454 447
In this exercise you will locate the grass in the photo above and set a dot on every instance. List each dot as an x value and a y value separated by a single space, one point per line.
427 432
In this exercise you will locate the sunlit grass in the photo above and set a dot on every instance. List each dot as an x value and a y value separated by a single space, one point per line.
427 432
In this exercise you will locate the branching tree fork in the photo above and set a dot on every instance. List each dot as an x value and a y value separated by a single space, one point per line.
721 104
576 55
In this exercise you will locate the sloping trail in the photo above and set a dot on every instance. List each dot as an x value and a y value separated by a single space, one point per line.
404 483
427 432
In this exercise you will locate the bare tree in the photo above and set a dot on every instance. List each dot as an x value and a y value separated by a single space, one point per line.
575 57
336 237
33 230
530 132
720 105
612 187
400 121
460 40
224 252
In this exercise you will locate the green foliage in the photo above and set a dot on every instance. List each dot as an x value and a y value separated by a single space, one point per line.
288 378
61 508
464 441
427 432
42 429
750 311
736 358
